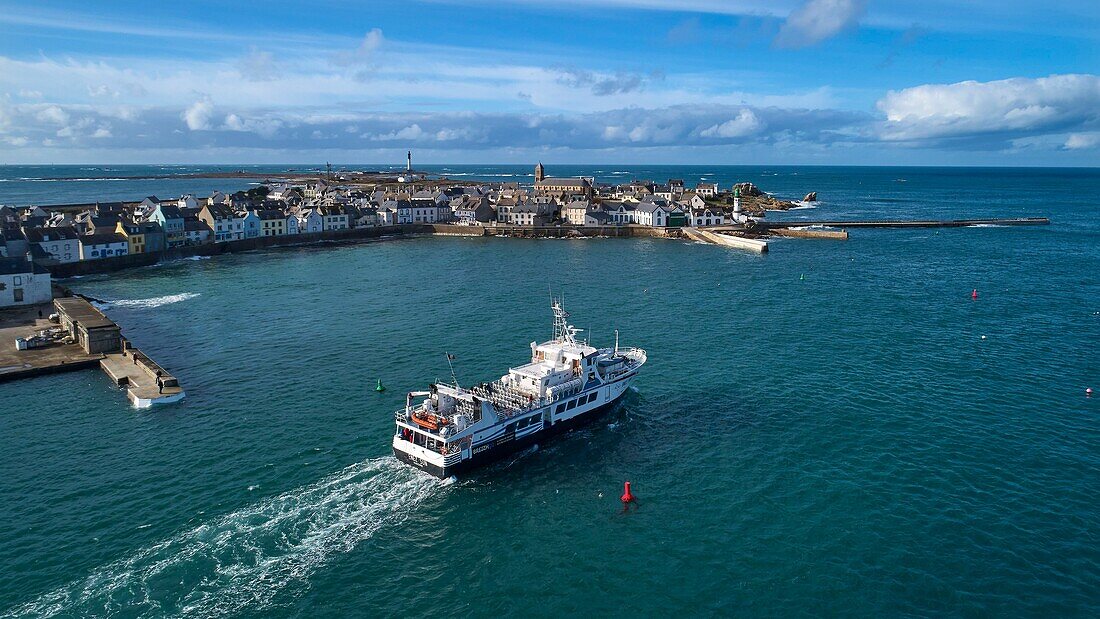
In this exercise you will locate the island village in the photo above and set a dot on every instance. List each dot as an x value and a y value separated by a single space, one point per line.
50 236
55 330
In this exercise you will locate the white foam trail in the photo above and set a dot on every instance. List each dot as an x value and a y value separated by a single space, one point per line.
153 302
244 559
802 205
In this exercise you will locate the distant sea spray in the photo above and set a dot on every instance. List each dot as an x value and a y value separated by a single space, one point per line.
243 559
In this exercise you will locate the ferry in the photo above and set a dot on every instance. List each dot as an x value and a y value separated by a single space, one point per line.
448 430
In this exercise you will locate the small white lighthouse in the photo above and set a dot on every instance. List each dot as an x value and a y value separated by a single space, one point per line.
409 162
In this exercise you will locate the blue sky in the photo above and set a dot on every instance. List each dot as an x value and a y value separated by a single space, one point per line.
569 81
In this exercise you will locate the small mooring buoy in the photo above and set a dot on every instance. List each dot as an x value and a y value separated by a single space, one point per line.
974 295
627 497
802 277
379 388
1088 392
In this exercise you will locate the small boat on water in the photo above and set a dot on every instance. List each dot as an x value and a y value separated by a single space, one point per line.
567 384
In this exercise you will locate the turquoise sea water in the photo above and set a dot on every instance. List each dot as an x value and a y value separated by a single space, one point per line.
843 444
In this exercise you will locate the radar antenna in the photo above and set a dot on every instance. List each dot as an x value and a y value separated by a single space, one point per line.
563 331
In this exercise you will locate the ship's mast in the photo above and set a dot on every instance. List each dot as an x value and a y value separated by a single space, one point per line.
563 331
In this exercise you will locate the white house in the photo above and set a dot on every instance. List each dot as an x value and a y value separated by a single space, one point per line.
333 217
651 213
693 200
708 216
534 212
99 246
621 213
220 219
23 283
368 217
310 221
61 244
424 211
707 190
576 212
187 201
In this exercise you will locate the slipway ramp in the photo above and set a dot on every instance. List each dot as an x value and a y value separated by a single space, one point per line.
735 242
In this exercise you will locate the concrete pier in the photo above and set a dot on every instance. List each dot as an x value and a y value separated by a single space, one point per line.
25 322
83 338
136 372
811 233
728 240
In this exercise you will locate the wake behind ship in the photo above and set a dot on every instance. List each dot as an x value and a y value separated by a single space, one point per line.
566 384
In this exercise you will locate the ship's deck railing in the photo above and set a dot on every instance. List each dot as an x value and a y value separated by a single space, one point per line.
507 400
634 358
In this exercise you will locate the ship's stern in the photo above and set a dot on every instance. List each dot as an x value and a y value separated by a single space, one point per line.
429 461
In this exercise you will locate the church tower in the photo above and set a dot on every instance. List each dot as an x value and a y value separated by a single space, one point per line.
540 173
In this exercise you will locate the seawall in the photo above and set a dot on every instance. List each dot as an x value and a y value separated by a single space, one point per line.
118 263
351 235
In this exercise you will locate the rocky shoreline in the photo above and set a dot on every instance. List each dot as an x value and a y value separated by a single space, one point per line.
754 201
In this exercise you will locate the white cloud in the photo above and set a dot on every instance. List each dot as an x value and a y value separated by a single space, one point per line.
744 124
30 94
1083 141
17 141
198 115
102 90
1012 107
53 114
264 126
371 42
363 55
817 20
411 133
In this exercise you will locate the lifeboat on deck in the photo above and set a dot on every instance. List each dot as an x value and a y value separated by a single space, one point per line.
428 421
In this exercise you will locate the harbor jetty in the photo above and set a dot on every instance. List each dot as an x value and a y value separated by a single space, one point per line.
71 334
914 223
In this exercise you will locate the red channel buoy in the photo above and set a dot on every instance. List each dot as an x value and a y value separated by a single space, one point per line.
974 295
627 497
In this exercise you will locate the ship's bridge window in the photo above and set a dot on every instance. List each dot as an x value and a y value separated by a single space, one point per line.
561 408
572 405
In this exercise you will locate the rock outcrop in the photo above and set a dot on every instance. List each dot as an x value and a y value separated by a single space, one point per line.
810 197
748 190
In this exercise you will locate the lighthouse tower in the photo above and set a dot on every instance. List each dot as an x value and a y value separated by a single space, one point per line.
409 162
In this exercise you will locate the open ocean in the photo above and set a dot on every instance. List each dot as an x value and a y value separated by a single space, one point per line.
843 444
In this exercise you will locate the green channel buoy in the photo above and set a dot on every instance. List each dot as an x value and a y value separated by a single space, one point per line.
802 277
379 388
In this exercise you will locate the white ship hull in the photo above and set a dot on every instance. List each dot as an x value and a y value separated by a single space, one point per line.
566 384
491 446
